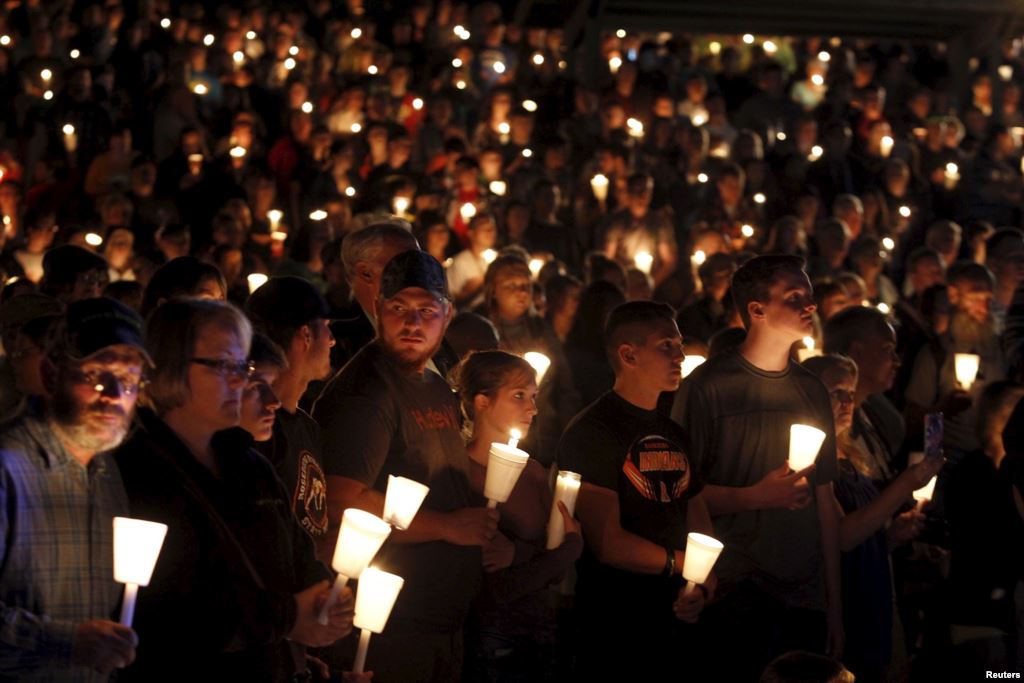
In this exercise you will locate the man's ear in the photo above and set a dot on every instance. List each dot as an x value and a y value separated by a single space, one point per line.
627 355
755 309
364 272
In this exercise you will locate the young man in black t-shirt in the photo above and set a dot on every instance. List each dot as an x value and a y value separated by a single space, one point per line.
639 499
293 314
779 573
386 414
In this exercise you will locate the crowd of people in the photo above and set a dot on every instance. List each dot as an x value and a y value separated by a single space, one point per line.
258 259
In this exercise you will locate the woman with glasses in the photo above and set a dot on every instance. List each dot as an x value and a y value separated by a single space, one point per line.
870 526
508 292
237 589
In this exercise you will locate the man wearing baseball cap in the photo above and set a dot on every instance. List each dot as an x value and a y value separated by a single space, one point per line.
294 315
60 491
386 414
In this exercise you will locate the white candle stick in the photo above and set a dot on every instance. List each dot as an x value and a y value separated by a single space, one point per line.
808 351
925 493
137 545
599 186
644 262
804 443
966 368
700 556
513 438
378 592
567 488
504 465
539 362
360 537
403 501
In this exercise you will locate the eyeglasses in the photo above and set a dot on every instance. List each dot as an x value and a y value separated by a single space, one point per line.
102 380
841 396
231 369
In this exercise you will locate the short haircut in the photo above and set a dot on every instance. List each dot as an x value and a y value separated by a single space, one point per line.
171 334
1003 238
264 352
630 323
831 364
178 277
968 272
853 324
755 278
921 254
359 245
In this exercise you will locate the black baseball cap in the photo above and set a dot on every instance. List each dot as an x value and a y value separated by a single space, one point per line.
413 268
288 301
96 324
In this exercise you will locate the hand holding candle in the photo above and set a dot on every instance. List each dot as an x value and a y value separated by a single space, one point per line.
567 488
360 537
924 494
137 545
375 599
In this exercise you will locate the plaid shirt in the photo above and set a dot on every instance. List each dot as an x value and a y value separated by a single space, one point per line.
56 551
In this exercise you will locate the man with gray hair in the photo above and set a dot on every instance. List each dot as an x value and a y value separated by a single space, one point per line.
364 253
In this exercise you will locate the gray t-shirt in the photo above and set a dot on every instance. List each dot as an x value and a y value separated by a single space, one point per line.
738 419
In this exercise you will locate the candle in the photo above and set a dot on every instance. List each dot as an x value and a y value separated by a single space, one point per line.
200 89
888 243
644 261
489 255
599 186
256 280
808 351
636 128
925 493
91 238
467 211
137 545
691 363
417 103
275 216
377 594
567 488
499 67
698 257
539 362
804 443
747 231
530 105
614 63
760 198
70 138
498 187
905 211
503 131
46 75
514 435
885 145
237 152
400 205
504 465
966 367
307 107
816 152
195 163
317 215
403 501
951 175
360 537
536 265
701 554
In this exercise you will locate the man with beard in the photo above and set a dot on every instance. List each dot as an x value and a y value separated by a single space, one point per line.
386 414
59 493
640 497
293 314
933 386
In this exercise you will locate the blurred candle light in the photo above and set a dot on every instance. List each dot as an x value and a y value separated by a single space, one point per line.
824 56
748 38
460 84
905 211
1005 72
457 63
91 238
307 107
317 215
238 56
966 367
46 75
804 443
514 435
498 187
5 39
702 177
355 127
698 257
256 280
538 59
137 545
925 493
377 594
539 362
691 363
237 152
889 243
417 103
70 138
467 211
200 89
289 63
714 47
599 186
75 53
699 558
294 50
360 537
816 152
489 255
886 144
808 351
372 70
400 205
208 39
699 119
350 191
818 80
643 261
567 489
536 265
48 95
636 128
760 198
356 33
530 105
527 152
250 35
883 308
620 34
403 500
770 47
747 231
951 175
614 63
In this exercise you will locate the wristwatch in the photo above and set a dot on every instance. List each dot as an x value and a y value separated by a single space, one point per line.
670 562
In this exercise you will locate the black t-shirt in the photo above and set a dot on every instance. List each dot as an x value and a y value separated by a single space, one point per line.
738 418
294 451
378 420
643 457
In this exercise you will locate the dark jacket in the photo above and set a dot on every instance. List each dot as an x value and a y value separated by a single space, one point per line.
221 600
